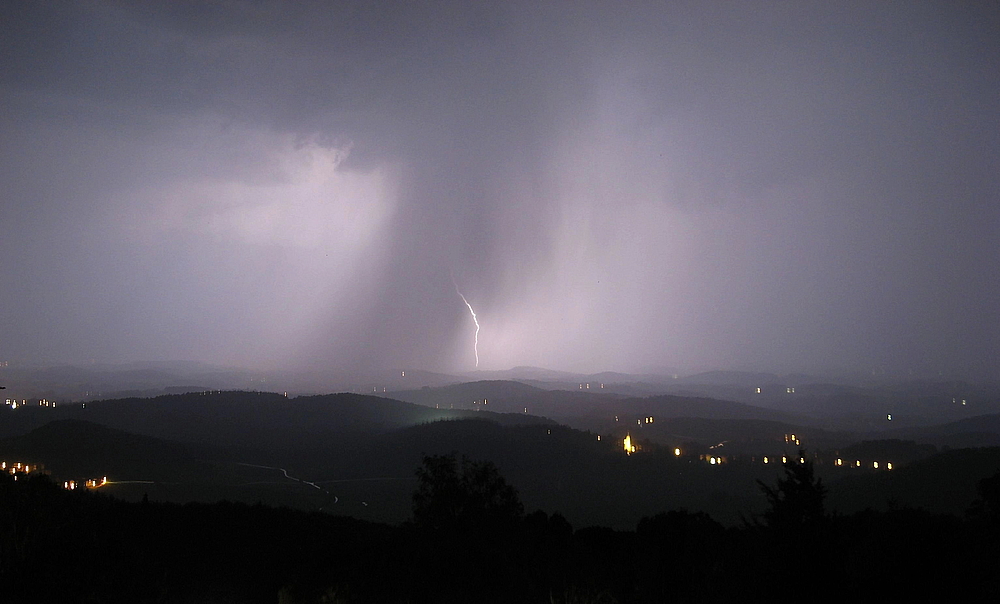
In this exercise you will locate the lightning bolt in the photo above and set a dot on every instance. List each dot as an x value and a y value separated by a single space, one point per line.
474 319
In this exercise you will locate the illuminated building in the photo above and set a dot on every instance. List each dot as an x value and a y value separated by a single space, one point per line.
17 467
629 447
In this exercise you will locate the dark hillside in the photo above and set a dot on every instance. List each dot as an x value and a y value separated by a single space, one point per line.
80 449
248 419
944 483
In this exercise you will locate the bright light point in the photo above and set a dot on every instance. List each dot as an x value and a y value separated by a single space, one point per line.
677 452
888 465
889 417
875 464
765 460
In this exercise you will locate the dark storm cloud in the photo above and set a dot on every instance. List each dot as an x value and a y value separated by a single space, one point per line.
768 185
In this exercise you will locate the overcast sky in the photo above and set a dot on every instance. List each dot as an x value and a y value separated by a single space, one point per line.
783 186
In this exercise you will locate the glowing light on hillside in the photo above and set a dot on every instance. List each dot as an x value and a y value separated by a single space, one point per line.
629 447
677 452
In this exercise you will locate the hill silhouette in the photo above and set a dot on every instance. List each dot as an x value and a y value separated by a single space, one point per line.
248 419
76 449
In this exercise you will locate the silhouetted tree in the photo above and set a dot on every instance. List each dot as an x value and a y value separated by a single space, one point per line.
463 495
797 499
987 506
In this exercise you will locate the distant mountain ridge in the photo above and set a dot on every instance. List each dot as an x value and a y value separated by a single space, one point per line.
513 397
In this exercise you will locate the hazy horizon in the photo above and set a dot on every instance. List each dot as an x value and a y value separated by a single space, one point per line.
763 186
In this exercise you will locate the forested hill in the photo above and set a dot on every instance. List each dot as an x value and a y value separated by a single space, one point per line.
76 449
246 418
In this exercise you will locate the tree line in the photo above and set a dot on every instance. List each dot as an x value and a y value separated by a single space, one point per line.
471 540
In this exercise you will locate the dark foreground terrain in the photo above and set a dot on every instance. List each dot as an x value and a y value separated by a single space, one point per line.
255 497
469 540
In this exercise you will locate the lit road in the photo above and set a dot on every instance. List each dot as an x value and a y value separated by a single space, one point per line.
290 477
